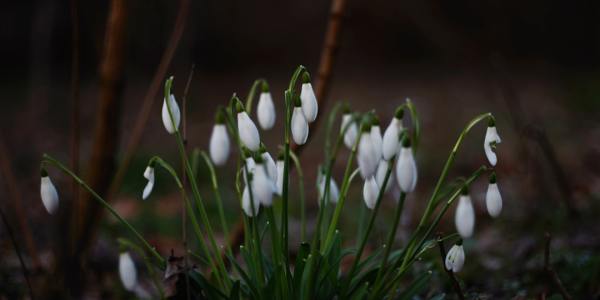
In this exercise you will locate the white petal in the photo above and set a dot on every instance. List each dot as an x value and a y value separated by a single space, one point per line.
406 170
310 107
391 142
280 167
493 200
370 192
491 136
148 174
262 186
176 115
250 165
266 111
377 141
465 217
351 133
367 160
299 126
271 167
455 259
49 195
127 271
248 131
380 175
247 204
219 145
333 193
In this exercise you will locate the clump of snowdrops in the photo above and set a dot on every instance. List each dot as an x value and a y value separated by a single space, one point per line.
264 268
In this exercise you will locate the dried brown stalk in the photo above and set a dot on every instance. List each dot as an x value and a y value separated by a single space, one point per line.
551 273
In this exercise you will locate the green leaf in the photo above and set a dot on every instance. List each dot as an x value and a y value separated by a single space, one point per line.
416 286
303 252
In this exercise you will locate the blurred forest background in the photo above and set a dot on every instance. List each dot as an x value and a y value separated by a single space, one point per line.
77 75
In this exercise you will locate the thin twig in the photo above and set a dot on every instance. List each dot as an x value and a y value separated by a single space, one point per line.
553 276
184 180
15 245
455 283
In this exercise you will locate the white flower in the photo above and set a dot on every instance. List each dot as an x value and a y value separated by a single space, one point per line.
299 126
262 186
148 174
370 192
249 209
491 139
250 165
248 131
174 111
455 259
333 194
279 185
380 175
351 133
367 158
48 193
391 139
266 111
406 169
377 140
493 199
127 271
464 218
269 164
310 107
219 144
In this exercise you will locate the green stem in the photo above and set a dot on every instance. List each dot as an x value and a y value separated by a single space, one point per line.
298 166
251 95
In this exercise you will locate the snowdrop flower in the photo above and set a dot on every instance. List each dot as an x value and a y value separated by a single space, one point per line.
493 199
127 271
249 209
266 109
376 138
269 163
352 131
380 175
391 140
250 165
464 218
48 193
367 157
491 139
262 186
333 194
299 124
148 174
406 168
455 258
370 192
219 141
280 166
310 107
175 113
246 128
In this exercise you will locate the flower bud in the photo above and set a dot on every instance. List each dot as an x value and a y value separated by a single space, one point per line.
127 271
333 193
269 164
148 174
376 138
489 145
493 199
352 132
380 175
219 143
48 193
250 165
266 109
175 114
464 217
262 186
247 129
391 137
406 168
367 157
280 169
370 192
455 258
310 107
249 209
299 126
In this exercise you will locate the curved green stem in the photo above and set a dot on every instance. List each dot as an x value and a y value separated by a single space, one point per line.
298 166
251 94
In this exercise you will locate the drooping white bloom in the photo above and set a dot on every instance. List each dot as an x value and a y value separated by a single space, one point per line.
262 186
299 126
367 157
391 141
249 209
310 107
250 165
455 258
370 192
489 145
279 185
219 145
351 133
248 131
377 140
380 175
266 110
48 193
464 218
406 169
493 199
270 165
127 271
148 174
174 111
333 194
